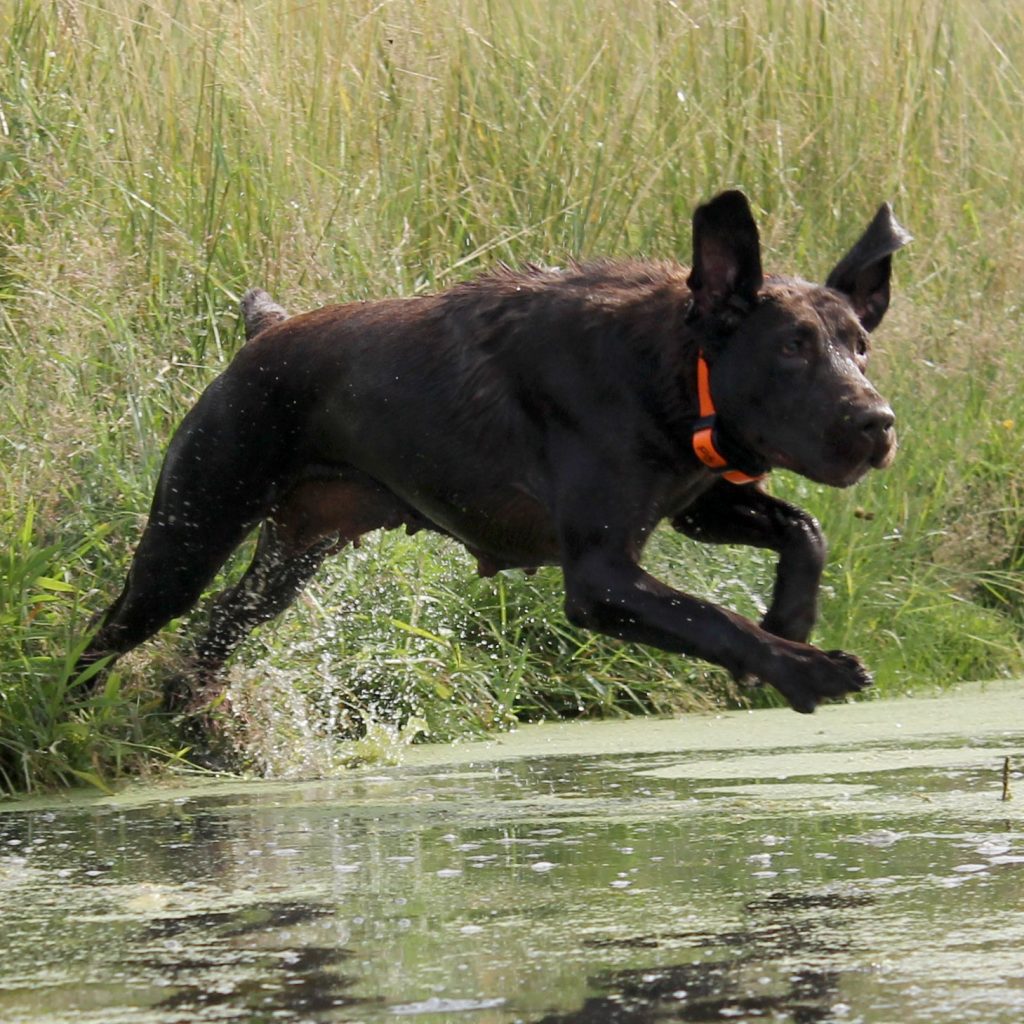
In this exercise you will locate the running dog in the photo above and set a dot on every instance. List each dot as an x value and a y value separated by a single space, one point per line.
539 417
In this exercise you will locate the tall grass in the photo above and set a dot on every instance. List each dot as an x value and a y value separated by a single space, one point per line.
159 156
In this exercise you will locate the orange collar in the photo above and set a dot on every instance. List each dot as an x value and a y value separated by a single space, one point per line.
707 440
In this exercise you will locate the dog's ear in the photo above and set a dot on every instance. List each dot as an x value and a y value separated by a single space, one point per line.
863 273
726 254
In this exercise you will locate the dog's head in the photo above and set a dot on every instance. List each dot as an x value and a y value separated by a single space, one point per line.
788 358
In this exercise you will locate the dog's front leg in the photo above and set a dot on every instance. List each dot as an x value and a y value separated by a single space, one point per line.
606 590
612 596
731 514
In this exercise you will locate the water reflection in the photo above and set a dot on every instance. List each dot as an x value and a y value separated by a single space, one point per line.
715 991
569 889
746 974
248 962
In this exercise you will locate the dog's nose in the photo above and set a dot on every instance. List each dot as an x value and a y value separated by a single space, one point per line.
876 421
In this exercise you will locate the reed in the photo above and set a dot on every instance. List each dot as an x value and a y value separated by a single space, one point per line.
158 157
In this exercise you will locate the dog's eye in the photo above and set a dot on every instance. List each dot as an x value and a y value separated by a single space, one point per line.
793 346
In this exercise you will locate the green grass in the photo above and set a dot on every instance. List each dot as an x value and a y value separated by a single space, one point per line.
159 156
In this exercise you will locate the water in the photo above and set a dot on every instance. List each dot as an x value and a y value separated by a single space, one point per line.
856 865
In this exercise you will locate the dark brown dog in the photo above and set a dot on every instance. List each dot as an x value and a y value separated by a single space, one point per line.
539 417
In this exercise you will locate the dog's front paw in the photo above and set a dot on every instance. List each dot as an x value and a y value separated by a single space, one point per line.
814 676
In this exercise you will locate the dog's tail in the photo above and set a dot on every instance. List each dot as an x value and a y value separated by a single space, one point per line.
259 311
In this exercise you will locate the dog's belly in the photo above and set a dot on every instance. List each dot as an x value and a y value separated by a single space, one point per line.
502 525
505 530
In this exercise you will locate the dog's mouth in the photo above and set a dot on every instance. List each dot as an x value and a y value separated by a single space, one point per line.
885 451
844 464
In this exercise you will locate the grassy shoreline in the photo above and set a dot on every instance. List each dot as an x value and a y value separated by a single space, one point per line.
157 158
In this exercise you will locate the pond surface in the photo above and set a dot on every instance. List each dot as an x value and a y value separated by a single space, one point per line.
860 864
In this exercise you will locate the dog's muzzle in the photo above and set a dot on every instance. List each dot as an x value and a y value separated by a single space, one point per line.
877 425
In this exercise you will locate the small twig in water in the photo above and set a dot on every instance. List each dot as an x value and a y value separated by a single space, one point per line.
1007 795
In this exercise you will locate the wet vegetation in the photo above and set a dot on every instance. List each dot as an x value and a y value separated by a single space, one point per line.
157 158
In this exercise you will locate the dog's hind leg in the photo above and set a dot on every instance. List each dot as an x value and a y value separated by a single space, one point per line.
171 568
274 579
315 519
174 562
215 485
